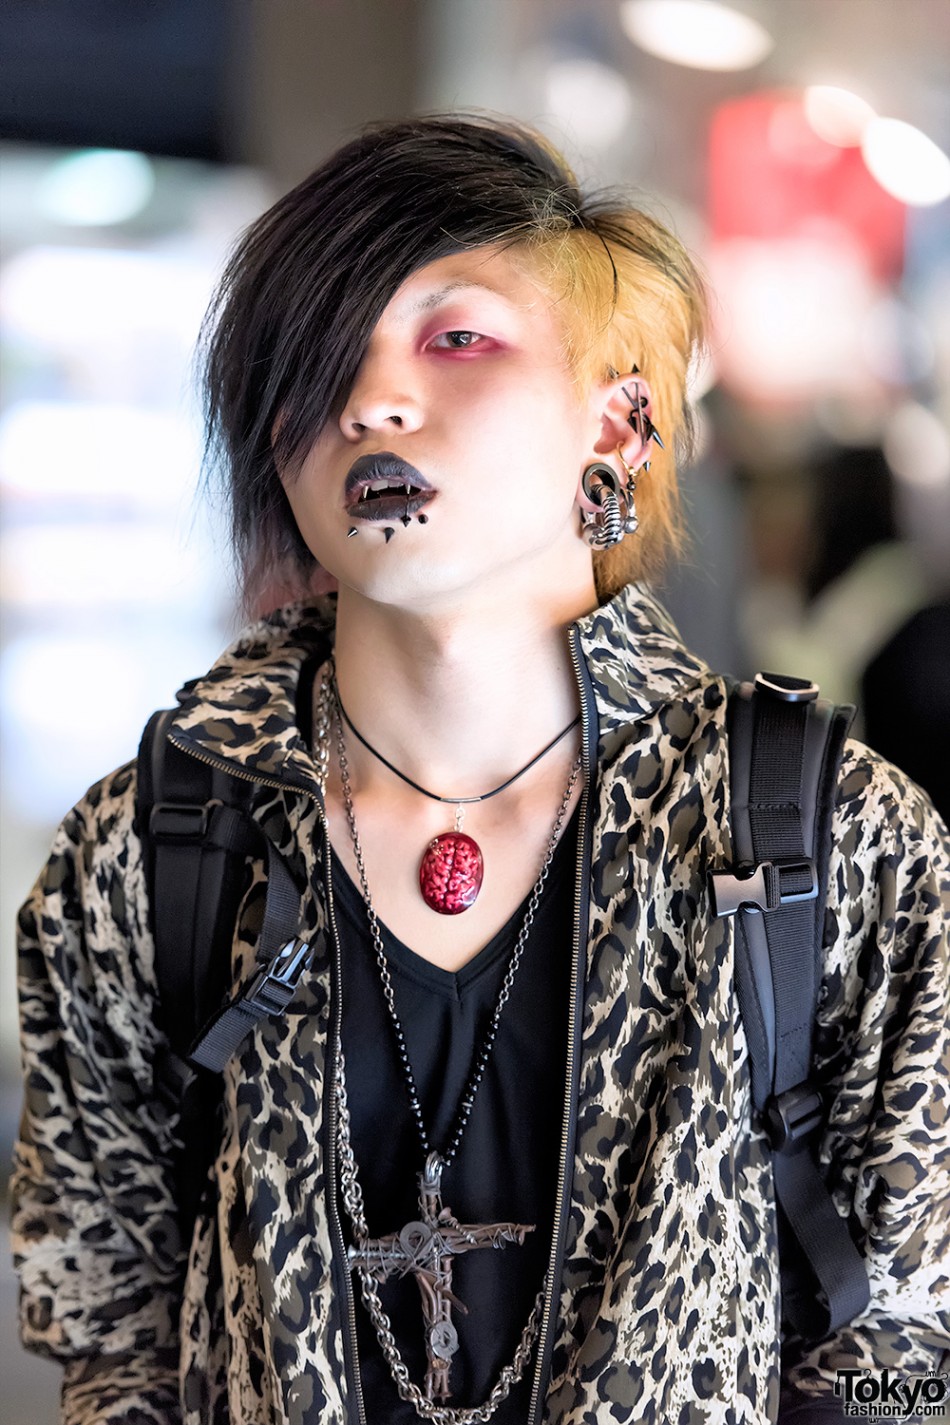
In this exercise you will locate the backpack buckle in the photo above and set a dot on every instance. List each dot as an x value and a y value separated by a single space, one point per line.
791 1116
275 984
764 887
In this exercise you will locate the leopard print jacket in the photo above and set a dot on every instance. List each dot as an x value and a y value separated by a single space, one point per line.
663 1299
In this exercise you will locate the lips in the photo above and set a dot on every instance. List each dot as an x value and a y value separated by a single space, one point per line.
384 487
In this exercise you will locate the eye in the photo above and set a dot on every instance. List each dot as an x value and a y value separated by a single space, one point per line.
457 340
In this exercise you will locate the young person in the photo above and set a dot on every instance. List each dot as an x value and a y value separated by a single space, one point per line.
440 375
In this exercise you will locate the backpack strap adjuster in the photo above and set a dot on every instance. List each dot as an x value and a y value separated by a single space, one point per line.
183 823
786 689
764 887
791 1116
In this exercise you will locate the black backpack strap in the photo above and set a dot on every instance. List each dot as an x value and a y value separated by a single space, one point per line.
196 838
785 749
197 832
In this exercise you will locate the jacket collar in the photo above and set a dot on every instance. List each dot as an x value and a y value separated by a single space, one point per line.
243 711
636 658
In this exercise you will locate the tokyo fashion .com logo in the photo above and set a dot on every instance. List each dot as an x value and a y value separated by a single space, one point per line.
892 1395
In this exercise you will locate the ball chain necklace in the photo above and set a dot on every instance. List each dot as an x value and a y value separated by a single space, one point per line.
425 1248
452 867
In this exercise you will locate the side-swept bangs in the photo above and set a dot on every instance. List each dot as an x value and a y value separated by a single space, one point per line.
307 282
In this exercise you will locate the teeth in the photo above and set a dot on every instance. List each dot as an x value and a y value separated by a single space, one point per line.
378 487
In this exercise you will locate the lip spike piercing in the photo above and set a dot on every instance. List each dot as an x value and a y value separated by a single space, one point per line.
388 533
352 530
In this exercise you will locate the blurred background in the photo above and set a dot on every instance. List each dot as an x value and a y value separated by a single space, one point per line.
799 147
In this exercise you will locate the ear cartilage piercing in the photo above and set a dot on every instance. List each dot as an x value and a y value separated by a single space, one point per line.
650 432
351 531
388 533
638 420
633 420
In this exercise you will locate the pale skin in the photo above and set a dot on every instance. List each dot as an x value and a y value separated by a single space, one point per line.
451 648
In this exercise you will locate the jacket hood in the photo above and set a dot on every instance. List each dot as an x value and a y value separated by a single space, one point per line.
636 659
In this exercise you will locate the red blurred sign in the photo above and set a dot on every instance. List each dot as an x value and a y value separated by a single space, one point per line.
772 177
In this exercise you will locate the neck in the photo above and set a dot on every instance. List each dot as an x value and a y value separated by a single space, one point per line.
457 699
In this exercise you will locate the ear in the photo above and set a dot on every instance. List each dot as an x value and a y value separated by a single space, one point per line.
626 419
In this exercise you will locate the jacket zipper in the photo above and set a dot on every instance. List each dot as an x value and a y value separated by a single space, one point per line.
569 1121
350 1348
350 1352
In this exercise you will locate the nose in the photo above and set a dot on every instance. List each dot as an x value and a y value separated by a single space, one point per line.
379 401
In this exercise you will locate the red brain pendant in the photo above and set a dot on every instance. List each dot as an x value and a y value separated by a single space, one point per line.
451 873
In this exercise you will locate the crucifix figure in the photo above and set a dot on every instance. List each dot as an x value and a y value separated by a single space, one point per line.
426 1249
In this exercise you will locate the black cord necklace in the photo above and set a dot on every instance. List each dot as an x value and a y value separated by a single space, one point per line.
452 867
456 801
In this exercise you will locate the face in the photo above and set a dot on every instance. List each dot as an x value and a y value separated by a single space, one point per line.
464 394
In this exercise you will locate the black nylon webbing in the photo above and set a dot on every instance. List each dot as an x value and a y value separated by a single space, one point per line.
826 1260
175 881
281 908
775 792
827 1246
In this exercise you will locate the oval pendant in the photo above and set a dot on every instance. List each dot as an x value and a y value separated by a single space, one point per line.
451 873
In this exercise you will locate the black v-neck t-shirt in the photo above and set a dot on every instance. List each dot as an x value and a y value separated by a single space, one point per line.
507 1163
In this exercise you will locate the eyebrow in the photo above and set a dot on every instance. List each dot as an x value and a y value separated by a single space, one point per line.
437 297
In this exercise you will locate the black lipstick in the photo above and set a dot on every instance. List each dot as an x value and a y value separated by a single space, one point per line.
384 487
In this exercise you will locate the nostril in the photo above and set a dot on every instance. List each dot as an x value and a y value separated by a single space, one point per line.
396 420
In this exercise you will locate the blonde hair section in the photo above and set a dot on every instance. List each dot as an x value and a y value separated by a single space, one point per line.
630 295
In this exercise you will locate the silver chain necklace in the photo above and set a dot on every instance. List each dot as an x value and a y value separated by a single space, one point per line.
425 1248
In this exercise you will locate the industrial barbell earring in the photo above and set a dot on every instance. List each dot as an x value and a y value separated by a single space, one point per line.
601 485
638 420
